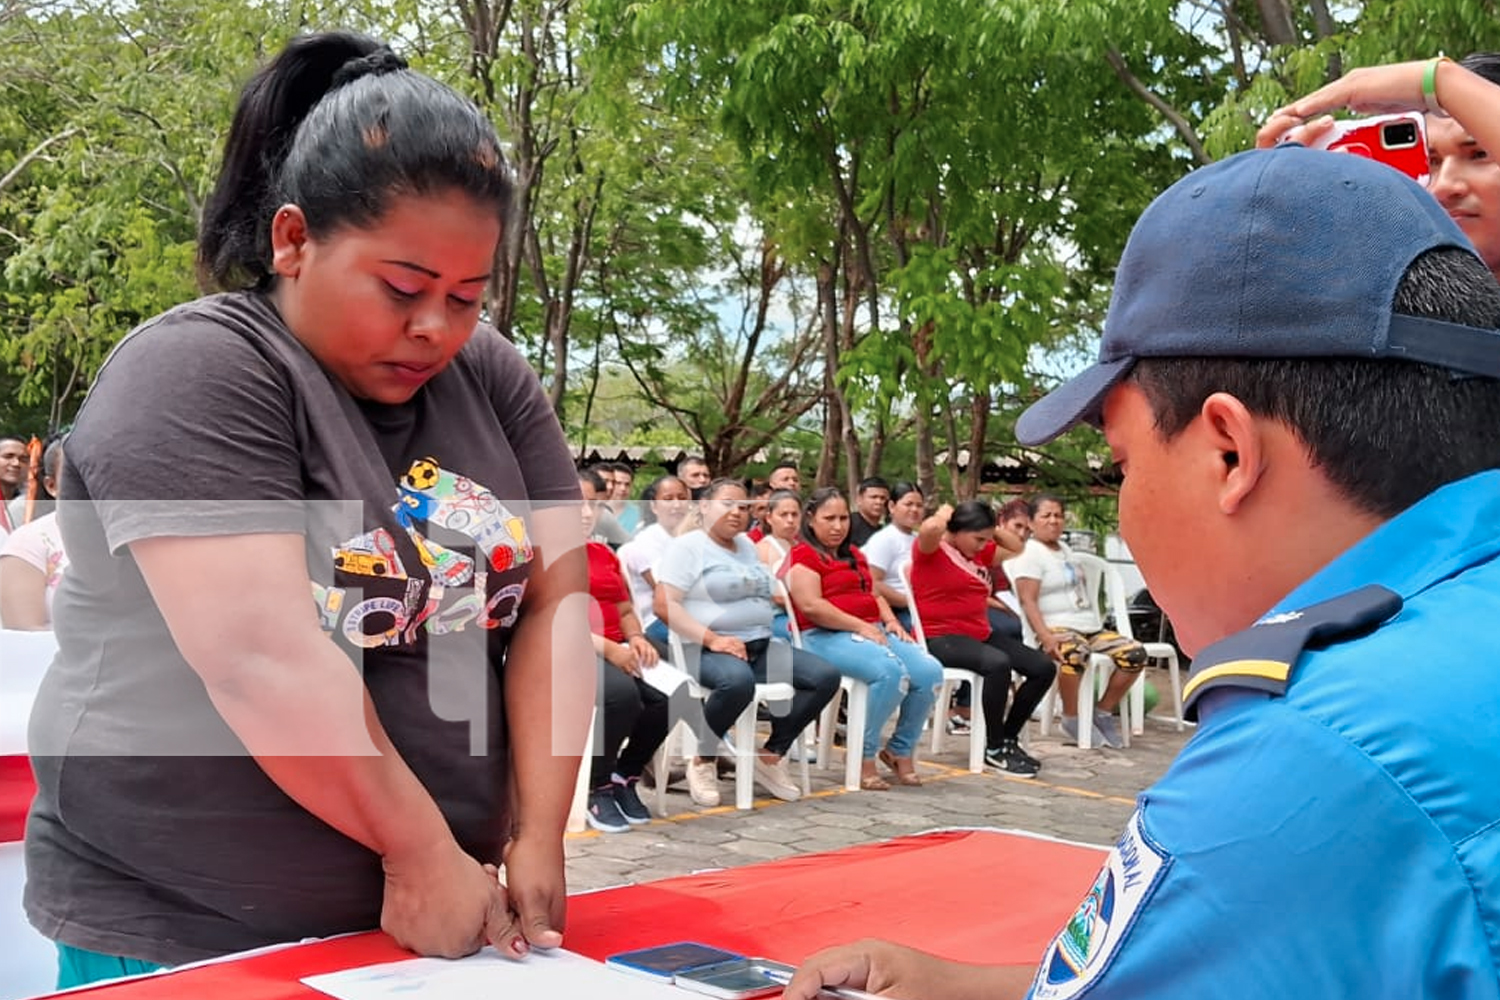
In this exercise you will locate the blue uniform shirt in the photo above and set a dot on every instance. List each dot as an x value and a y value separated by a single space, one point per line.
1340 838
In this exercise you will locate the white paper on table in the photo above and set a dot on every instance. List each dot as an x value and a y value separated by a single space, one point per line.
556 973
664 677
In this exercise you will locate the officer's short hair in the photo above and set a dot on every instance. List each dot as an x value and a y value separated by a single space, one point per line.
1385 433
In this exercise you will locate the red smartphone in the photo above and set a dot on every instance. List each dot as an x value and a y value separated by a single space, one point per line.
1398 141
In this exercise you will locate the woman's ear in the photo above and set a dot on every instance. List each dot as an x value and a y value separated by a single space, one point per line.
1238 437
288 240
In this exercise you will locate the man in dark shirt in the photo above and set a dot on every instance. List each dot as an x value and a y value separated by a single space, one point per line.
870 505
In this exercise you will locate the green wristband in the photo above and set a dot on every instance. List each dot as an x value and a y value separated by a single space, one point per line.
1429 86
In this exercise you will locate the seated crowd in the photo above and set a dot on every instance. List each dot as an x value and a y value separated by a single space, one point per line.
738 584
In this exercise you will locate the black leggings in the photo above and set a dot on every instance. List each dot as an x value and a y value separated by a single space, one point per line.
994 659
732 680
634 716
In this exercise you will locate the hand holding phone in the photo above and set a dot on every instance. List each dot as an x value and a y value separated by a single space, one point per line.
1398 141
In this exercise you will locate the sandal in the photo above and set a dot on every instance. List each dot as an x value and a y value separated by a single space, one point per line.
873 783
904 777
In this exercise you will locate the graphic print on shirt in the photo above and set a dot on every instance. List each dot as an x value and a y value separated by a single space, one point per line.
1088 942
442 590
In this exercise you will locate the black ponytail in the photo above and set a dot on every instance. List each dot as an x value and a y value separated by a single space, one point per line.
336 125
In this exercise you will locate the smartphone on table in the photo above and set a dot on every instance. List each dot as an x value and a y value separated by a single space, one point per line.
663 962
1398 141
740 979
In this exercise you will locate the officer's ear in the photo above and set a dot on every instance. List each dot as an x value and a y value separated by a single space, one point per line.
1239 440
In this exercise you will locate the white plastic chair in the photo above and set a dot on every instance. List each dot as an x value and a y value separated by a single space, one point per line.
1119 606
855 719
1097 671
741 736
951 677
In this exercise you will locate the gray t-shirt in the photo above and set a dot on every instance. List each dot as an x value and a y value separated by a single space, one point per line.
730 592
153 834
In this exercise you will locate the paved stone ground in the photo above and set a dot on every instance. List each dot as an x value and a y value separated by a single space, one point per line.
1080 795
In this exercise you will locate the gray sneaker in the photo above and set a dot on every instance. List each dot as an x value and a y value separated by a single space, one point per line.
1070 728
775 779
1108 731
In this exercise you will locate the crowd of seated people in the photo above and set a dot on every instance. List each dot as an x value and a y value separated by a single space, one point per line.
976 572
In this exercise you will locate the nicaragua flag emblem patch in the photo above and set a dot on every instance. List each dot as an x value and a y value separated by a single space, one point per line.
1084 947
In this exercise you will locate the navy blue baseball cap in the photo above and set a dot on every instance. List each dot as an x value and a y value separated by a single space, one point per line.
1275 253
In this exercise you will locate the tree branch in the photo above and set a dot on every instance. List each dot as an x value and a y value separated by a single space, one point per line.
36 151
1184 129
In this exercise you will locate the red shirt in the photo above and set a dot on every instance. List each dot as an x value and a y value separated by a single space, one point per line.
607 588
952 599
756 533
850 589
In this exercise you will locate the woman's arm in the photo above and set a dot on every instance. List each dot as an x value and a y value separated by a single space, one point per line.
671 610
549 698
302 711
1028 590
1467 97
641 650
806 587
883 590
930 534
23 595
1008 545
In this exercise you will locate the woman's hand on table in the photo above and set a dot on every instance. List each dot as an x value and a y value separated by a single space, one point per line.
441 902
538 898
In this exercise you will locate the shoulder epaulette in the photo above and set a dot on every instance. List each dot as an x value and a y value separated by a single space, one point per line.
1261 657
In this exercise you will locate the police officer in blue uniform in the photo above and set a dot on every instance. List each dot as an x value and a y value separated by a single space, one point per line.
1298 377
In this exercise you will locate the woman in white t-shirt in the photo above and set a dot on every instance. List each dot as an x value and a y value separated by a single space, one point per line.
1055 598
890 548
666 503
32 562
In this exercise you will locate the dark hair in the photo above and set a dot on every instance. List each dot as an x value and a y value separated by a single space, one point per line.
693 460
786 463
1035 503
622 467
337 125
53 455
1014 508
972 515
901 488
873 483
1385 433
757 490
819 498
648 516
779 495
1485 64
718 486
592 478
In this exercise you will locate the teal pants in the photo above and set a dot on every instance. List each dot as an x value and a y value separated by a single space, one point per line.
76 967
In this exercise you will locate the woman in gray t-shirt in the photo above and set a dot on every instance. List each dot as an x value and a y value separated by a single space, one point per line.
715 593
322 525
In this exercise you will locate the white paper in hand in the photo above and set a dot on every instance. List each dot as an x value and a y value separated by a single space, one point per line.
664 677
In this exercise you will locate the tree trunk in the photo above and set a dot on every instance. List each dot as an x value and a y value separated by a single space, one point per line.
833 403
926 453
979 422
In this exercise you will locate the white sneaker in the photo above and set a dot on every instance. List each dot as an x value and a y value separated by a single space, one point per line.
775 779
703 782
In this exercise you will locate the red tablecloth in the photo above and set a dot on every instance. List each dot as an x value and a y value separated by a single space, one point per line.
969 895
16 790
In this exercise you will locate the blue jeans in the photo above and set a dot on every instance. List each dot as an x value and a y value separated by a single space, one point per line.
883 668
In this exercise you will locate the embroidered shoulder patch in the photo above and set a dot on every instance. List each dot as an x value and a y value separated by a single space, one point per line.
1086 945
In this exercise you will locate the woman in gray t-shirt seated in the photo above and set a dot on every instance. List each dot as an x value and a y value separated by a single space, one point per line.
714 592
